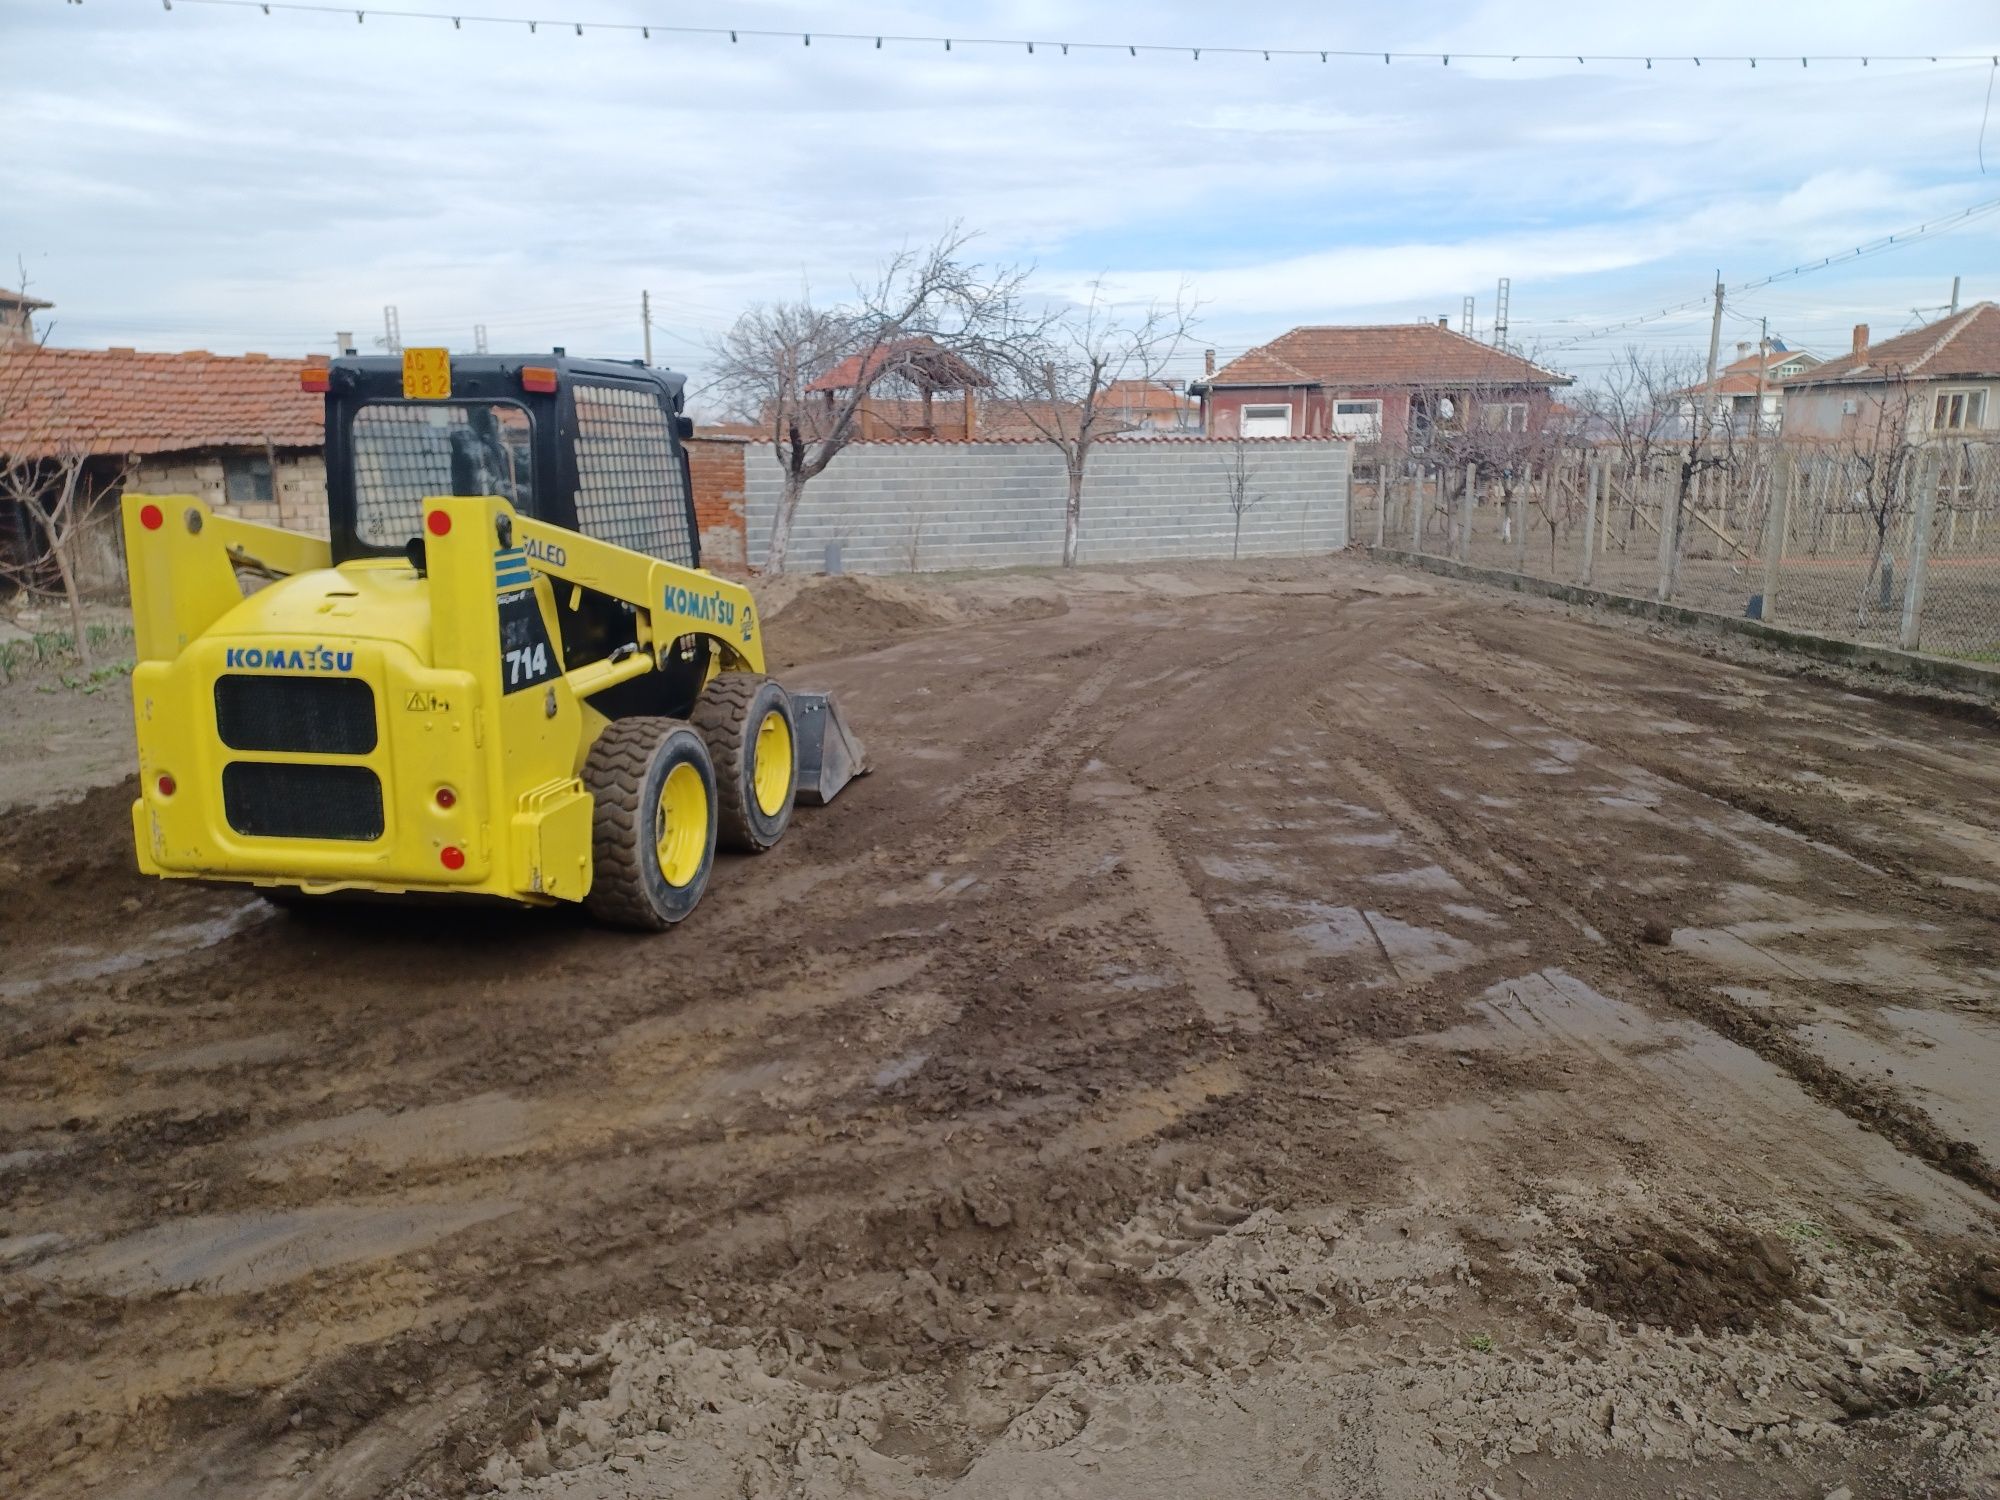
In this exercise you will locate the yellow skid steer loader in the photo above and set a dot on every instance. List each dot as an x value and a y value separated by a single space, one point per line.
504 673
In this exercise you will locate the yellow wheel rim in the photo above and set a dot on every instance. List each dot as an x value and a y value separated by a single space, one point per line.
771 771
680 829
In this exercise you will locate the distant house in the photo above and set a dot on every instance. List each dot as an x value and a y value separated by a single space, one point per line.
1945 377
17 318
1738 392
233 429
902 380
1144 408
1395 383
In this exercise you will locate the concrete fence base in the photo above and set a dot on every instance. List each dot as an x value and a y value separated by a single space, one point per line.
1938 671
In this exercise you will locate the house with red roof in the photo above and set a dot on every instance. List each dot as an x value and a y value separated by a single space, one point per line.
1944 377
1148 408
1740 388
1396 383
233 429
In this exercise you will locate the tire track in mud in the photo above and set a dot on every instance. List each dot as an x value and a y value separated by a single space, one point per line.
1554 887
1833 837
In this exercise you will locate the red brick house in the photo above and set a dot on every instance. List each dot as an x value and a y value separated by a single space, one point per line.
1395 382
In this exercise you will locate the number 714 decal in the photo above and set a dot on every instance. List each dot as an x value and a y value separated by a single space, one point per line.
527 657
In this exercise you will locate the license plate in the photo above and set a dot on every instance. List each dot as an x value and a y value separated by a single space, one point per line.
426 374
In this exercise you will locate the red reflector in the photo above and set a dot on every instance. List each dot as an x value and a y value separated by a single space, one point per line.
437 523
537 378
313 378
151 517
446 797
166 785
452 857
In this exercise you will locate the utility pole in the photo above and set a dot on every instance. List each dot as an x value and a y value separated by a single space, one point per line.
392 330
1500 301
646 317
1954 298
479 338
1465 319
1670 509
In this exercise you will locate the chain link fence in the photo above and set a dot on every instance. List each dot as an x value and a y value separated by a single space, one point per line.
1900 549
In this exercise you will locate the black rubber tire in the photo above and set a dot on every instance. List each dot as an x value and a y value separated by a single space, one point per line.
729 713
623 774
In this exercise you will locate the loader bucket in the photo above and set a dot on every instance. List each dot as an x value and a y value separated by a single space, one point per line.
830 755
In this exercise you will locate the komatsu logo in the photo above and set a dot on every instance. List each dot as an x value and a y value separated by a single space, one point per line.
289 658
700 606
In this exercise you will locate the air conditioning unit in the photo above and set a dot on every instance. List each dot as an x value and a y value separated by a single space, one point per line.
1849 407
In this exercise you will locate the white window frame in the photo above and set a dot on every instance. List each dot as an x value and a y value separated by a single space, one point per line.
1971 402
1264 411
1364 422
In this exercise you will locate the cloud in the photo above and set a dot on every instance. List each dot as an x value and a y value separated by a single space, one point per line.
225 179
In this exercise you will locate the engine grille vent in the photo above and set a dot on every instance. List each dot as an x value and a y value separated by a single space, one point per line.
269 799
296 715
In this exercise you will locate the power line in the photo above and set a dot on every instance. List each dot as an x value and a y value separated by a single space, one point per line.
1045 45
1927 230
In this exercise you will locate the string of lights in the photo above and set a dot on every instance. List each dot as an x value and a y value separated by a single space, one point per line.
1043 46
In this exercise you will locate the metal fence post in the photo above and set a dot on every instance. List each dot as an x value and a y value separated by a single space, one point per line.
1920 554
1417 509
1465 516
1593 477
1777 520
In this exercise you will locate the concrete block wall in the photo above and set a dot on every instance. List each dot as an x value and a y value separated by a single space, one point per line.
920 507
298 487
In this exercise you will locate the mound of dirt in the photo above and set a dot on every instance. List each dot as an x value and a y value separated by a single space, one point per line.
1670 1279
70 870
809 618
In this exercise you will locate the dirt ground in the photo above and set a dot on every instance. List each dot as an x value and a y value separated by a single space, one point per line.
1274 1031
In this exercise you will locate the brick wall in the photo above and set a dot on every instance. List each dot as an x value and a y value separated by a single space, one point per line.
911 507
715 464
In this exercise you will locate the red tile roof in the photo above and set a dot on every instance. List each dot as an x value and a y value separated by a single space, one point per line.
1144 396
117 401
1963 346
1393 354
919 358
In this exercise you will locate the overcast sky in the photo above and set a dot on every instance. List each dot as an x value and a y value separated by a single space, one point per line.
209 177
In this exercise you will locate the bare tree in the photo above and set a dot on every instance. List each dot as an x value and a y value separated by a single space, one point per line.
1060 366
47 477
1237 475
920 303
1878 457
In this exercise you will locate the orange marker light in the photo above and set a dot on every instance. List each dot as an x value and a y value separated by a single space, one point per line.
437 523
313 378
538 378
452 857
151 517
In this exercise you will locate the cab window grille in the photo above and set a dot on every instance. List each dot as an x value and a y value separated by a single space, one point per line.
300 715
629 484
405 451
276 800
